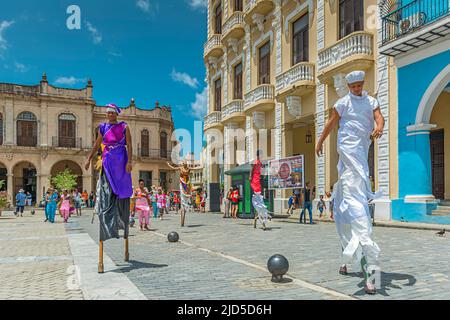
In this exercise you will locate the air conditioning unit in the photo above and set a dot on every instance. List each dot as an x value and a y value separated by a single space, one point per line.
411 22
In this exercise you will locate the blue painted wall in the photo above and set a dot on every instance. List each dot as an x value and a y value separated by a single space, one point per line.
414 157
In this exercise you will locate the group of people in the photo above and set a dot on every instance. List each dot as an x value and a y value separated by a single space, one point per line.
360 122
302 199
67 202
155 200
231 201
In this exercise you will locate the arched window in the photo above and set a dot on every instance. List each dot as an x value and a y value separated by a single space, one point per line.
27 130
163 144
67 130
1 129
145 143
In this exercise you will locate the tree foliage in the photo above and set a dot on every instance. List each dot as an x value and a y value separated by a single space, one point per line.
64 180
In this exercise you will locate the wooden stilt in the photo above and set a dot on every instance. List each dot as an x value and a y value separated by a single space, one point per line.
255 221
183 215
127 254
100 258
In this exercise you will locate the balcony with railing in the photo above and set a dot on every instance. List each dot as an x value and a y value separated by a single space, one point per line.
213 47
261 7
212 120
153 154
233 112
298 80
233 28
262 98
406 26
67 142
352 52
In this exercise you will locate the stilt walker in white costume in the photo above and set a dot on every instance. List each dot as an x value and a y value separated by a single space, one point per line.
257 199
356 114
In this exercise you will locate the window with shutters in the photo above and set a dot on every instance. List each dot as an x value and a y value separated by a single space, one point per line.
238 5
264 64
163 144
351 17
237 82
218 19
27 130
218 95
300 40
67 131
1 129
145 143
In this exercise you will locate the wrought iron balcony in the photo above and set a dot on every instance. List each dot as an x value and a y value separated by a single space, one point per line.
153 154
408 26
67 142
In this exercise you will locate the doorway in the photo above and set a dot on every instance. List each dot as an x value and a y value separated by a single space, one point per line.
437 163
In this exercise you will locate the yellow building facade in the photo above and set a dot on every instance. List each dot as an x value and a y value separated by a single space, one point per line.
46 129
275 69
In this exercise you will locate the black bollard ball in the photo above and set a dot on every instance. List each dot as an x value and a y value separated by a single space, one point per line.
278 266
173 237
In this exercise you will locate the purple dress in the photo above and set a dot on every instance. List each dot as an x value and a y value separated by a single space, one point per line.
115 158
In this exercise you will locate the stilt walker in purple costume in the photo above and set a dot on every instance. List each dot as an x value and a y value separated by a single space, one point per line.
114 187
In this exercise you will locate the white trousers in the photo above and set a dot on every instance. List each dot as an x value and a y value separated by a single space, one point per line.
260 207
356 241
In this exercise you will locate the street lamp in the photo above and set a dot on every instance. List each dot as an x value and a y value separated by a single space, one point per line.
308 136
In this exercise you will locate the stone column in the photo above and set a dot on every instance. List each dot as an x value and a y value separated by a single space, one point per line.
9 123
87 182
43 125
415 156
229 151
10 188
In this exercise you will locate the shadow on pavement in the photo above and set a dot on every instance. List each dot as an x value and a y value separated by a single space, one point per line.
386 282
134 265
195 225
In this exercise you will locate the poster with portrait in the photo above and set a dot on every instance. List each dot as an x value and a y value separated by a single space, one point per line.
287 173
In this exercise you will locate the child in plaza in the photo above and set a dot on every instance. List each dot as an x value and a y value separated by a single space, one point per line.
355 113
321 206
65 204
142 205
161 203
257 199
291 203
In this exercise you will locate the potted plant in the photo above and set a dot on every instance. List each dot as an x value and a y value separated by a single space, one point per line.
3 197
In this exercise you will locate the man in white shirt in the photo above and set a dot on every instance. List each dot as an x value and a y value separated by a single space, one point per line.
356 114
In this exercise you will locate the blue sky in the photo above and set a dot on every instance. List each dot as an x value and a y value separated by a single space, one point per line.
149 50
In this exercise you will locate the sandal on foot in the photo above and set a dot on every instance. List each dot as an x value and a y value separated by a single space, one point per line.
343 270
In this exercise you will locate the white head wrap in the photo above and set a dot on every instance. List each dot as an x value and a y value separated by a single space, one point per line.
355 76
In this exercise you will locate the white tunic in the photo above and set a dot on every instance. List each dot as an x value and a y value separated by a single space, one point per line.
353 189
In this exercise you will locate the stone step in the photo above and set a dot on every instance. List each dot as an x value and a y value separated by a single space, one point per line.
444 203
443 208
443 213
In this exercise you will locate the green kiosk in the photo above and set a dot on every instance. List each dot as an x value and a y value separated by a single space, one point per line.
240 177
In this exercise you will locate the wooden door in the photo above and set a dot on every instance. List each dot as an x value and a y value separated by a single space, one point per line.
437 163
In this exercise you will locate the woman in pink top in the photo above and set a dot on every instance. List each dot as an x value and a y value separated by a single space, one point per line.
64 205
142 205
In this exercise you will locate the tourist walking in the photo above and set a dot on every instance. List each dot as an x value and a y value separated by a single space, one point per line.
21 199
307 196
235 197
228 203
154 199
291 203
77 202
52 205
29 199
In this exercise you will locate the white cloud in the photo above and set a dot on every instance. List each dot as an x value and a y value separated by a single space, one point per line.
96 35
199 107
20 67
198 4
3 26
146 6
69 81
184 78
